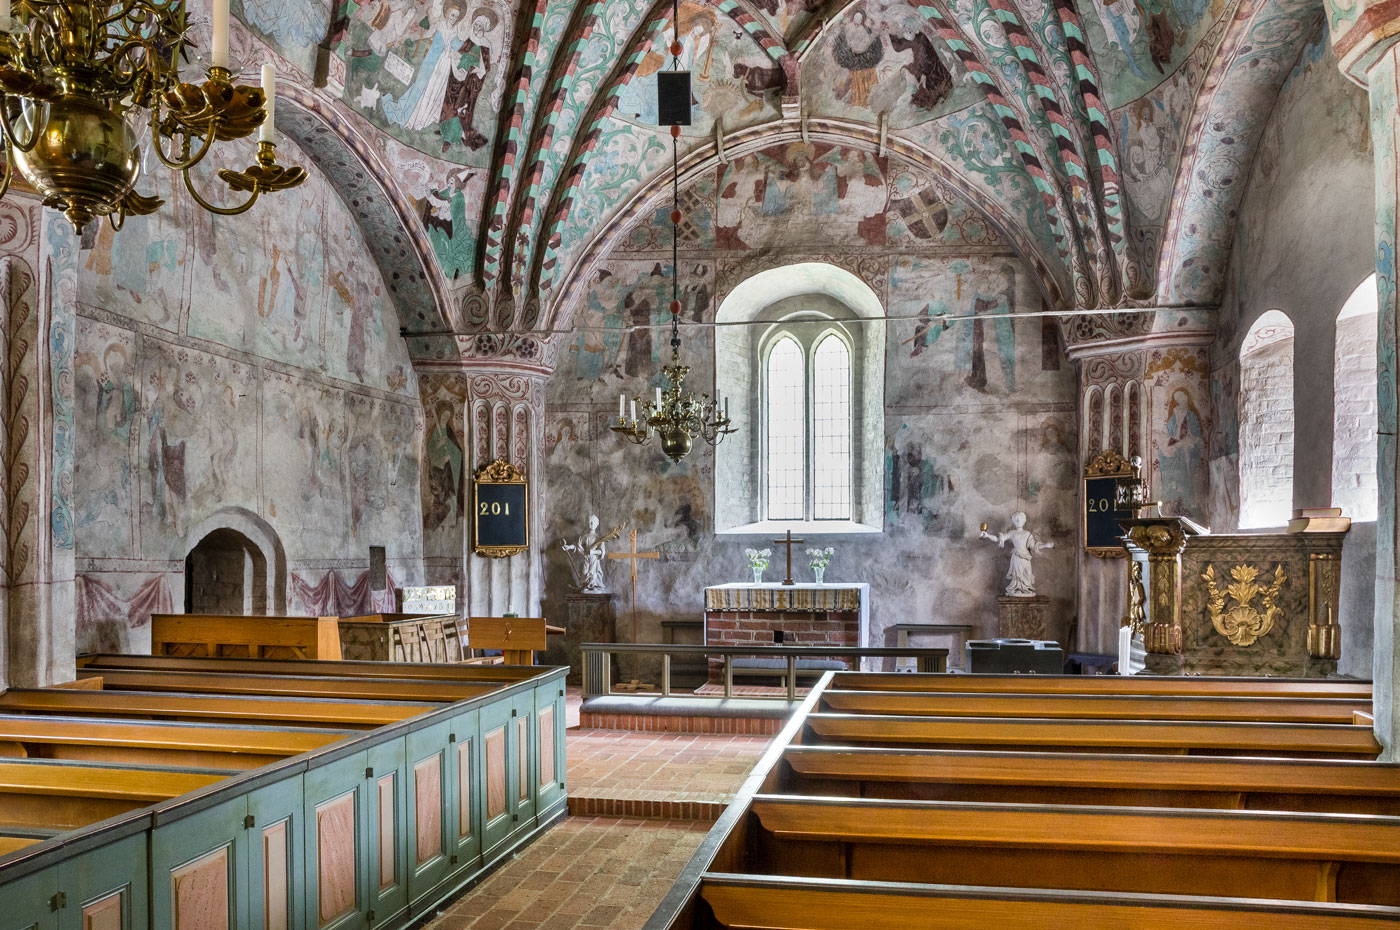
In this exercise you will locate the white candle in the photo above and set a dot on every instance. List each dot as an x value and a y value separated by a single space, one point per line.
218 55
5 21
266 132
634 411
726 408
621 406
658 398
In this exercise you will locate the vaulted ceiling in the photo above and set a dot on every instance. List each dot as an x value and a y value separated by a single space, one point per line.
1109 140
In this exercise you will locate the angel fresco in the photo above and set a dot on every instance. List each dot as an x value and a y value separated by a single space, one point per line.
858 49
445 461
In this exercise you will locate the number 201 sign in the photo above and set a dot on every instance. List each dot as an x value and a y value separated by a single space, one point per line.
500 511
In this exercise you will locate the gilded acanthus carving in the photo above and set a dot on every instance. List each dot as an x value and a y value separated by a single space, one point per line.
1243 623
1136 617
1109 463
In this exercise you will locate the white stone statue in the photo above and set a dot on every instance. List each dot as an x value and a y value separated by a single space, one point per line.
586 558
1024 546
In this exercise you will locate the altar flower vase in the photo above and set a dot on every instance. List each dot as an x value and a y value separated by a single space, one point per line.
819 571
757 575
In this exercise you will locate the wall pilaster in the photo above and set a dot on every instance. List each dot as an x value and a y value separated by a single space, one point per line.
485 404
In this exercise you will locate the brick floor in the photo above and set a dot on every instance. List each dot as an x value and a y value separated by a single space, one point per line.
597 869
585 873
666 775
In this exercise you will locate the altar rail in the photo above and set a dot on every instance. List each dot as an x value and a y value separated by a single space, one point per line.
597 662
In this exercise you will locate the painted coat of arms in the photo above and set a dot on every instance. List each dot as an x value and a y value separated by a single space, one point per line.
1243 623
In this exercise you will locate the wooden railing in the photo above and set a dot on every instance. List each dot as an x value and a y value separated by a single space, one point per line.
597 662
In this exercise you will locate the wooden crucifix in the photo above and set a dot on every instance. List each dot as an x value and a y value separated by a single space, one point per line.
632 557
789 542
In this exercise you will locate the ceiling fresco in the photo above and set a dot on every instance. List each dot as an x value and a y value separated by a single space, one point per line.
1105 138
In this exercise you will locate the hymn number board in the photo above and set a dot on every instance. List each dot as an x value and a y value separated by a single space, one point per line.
500 511
1101 530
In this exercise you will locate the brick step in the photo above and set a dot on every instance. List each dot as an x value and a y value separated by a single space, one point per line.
648 808
676 723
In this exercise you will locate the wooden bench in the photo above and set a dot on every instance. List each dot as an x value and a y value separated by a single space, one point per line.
1105 684
393 689
160 706
37 793
1282 709
1297 740
250 637
103 740
1285 856
1337 786
744 902
486 674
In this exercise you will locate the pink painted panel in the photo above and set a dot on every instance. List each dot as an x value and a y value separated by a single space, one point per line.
276 893
335 857
427 794
547 774
200 890
106 913
495 773
386 830
522 762
464 789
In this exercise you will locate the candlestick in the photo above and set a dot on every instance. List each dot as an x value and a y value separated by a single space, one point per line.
266 132
218 54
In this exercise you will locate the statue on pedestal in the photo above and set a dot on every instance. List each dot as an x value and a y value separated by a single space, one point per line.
1024 547
586 557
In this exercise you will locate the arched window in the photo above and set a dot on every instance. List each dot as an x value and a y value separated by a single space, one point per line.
1266 422
1354 424
831 429
786 388
807 425
801 349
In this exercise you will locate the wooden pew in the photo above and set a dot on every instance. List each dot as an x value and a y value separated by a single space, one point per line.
1105 684
1336 786
160 706
1285 856
36 793
392 689
744 902
105 740
1296 740
250 637
1282 709
493 674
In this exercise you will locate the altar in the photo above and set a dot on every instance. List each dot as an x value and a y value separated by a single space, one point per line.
790 615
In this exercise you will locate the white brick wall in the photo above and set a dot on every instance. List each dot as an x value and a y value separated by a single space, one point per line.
1266 435
1354 487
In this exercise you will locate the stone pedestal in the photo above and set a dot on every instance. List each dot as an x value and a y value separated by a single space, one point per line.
1023 617
591 619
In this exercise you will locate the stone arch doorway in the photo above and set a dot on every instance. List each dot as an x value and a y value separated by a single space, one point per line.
237 566
225 574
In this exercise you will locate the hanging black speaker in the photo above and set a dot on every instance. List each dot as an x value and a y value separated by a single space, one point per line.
673 98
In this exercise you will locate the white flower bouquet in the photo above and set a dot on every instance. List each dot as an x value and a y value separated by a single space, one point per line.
820 558
758 558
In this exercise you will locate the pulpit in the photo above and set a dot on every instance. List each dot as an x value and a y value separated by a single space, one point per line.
790 615
1239 603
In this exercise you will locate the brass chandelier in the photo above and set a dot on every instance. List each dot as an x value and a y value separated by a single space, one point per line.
80 77
677 416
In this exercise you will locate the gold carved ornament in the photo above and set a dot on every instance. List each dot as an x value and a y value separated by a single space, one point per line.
1136 617
1108 464
1242 624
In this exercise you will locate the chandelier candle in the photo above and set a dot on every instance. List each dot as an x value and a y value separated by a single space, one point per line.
218 55
266 132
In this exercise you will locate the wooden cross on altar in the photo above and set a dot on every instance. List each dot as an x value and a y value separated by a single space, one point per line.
789 542
632 557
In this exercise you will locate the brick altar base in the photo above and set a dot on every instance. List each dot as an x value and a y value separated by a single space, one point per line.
760 628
